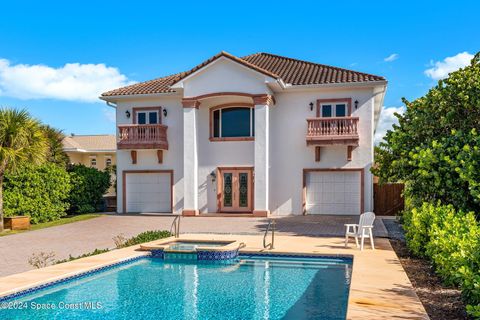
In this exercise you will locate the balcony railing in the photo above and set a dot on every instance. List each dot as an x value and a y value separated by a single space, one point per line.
333 130
143 136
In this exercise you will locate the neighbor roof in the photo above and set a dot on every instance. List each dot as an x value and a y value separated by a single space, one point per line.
86 143
290 71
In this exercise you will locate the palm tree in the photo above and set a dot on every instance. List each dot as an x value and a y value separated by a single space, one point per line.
22 141
55 153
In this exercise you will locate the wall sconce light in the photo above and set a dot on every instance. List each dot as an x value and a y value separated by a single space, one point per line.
356 104
311 106
213 175
127 114
165 113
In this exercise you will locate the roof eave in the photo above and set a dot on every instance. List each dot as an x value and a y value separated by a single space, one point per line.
89 151
367 84
134 96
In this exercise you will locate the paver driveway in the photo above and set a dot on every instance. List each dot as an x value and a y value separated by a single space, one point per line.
85 236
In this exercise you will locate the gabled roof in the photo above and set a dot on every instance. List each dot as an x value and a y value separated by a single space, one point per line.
290 71
86 143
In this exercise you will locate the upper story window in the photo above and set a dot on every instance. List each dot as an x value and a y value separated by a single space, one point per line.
147 115
108 161
334 108
232 123
93 161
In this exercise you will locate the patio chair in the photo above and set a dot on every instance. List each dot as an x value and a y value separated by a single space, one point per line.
361 230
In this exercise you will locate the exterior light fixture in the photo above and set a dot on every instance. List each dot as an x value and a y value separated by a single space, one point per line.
213 175
311 106
127 114
165 112
356 104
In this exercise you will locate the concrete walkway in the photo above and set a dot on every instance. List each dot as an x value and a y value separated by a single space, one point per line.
85 236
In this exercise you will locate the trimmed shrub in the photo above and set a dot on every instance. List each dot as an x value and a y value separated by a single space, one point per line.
451 240
40 192
144 237
88 187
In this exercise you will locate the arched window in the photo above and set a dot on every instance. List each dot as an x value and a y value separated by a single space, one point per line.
232 123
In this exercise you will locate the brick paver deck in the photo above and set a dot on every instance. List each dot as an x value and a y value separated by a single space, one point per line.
85 236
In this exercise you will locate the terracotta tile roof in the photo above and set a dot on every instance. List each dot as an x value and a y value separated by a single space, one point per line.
106 142
291 71
299 72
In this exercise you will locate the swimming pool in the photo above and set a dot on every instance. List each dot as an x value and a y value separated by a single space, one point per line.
249 287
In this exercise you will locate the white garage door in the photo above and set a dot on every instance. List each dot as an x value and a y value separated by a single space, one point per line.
333 192
148 192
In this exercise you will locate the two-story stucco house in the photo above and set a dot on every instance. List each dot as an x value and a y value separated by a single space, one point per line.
262 135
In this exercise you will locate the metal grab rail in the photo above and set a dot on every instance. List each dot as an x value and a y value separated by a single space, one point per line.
271 224
176 226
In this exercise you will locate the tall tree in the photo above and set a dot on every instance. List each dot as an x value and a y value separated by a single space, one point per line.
22 140
434 149
55 153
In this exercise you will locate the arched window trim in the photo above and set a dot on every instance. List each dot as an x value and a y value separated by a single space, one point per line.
229 106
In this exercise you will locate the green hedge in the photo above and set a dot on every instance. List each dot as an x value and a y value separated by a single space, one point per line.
39 192
451 240
88 187
146 236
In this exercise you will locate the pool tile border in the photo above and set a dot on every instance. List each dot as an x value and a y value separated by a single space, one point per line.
67 279
344 258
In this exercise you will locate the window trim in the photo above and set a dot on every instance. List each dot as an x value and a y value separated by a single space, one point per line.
227 106
93 158
111 161
334 102
136 110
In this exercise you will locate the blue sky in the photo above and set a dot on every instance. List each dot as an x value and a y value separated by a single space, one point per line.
56 57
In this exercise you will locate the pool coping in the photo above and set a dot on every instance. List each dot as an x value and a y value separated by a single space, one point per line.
374 294
162 244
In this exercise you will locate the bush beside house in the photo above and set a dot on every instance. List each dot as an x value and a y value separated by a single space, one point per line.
451 240
435 151
88 187
37 191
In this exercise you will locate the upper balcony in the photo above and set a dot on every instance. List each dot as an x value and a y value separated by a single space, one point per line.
332 131
142 136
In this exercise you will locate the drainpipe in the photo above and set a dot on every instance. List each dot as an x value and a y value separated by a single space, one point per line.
111 105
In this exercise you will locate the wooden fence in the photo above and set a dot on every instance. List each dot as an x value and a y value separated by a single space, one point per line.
388 200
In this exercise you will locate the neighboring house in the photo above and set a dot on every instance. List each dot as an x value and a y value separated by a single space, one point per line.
262 134
97 151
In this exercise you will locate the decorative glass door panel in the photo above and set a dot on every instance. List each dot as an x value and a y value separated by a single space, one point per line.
243 189
235 189
227 189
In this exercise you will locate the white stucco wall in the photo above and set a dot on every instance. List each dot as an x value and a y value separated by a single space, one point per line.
147 159
225 76
290 154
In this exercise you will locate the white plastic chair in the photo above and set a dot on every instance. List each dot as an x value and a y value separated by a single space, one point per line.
361 230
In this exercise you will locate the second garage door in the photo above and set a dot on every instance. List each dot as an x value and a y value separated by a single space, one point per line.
148 192
333 192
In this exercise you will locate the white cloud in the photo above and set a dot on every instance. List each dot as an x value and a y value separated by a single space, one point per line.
72 82
386 121
109 114
441 69
392 57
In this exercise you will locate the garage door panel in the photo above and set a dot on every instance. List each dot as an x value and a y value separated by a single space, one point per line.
333 192
148 192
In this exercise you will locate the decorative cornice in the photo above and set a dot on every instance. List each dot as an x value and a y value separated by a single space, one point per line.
190 103
263 99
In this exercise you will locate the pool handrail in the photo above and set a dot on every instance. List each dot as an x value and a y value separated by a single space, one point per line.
271 224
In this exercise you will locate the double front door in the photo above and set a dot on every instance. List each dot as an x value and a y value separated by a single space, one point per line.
235 189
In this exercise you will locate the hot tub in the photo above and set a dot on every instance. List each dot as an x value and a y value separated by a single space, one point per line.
191 249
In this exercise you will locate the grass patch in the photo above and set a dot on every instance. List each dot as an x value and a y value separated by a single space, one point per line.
43 225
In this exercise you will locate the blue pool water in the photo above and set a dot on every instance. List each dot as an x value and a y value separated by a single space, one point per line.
244 288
